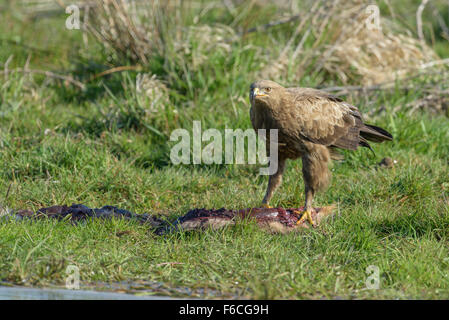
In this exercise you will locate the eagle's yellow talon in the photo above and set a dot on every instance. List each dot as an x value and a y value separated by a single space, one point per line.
307 214
266 205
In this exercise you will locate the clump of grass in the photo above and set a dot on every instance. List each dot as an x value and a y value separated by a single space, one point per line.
336 43
151 92
129 29
370 54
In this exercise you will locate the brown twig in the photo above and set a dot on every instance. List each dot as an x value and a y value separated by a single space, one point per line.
49 74
116 69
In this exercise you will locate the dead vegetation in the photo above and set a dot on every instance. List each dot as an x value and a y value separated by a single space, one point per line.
129 29
341 39
349 45
339 42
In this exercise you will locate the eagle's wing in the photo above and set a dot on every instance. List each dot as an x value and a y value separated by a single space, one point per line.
324 119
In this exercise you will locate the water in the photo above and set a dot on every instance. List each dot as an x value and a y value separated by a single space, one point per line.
23 293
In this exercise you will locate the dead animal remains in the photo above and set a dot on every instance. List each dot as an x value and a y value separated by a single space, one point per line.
273 220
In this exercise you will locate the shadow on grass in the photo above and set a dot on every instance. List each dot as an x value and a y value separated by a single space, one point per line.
87 71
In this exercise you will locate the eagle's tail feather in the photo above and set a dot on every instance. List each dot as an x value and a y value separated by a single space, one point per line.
373 133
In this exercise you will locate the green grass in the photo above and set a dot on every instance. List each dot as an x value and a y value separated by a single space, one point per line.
59 145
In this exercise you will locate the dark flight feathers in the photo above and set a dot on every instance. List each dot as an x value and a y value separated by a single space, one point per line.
360 136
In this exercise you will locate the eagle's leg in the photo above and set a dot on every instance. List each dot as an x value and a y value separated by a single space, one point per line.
315 170
273 182
307 214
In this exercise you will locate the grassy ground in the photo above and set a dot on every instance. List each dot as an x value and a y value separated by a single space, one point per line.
62 145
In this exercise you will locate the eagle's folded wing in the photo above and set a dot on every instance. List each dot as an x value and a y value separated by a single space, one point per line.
324 119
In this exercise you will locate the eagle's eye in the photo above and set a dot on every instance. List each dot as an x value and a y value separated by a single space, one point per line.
267 89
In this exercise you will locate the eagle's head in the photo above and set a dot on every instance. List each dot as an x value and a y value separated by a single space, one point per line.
265 91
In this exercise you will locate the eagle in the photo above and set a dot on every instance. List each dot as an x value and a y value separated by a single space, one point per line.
312 125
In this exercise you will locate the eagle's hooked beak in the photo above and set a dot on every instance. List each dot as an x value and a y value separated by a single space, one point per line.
257 93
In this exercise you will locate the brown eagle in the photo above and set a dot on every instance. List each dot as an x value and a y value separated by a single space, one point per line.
311 125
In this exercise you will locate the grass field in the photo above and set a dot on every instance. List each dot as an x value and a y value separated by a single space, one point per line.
63 145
